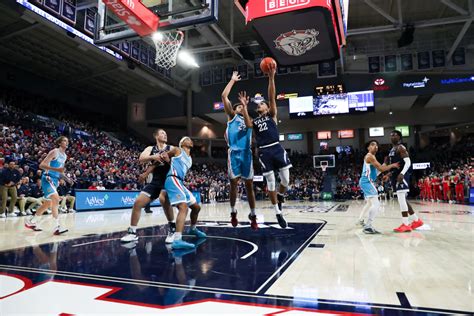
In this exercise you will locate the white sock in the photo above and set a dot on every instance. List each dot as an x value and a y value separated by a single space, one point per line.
178 236
252 211
35 219
374 208
57 221
232 209
405 220
277 210
364 210
413 218
133 228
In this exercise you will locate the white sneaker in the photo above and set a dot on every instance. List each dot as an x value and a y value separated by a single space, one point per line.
2 215
28 212
170 238
12 214
59 230
29 223
71 210
23 213
131 236
62 210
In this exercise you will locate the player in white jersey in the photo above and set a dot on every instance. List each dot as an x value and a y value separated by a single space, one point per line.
53 166
239 139
179 195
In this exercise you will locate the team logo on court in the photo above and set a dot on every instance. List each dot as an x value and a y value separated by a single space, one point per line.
297 42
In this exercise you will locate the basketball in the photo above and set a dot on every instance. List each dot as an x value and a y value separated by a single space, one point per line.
265 64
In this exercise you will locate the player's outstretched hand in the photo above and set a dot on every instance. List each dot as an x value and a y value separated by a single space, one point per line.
235 76
243 98
272 68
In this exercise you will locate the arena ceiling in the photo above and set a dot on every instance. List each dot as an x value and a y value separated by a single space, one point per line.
34 45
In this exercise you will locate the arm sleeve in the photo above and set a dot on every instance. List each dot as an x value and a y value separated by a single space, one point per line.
407 165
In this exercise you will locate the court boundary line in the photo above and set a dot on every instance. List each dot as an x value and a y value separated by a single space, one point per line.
263 296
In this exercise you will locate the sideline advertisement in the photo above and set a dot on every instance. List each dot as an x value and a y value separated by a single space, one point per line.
113 199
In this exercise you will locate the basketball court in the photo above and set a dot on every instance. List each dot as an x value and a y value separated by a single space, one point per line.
322 263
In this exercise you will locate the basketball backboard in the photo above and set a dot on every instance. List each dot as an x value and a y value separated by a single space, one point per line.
172 14
324 161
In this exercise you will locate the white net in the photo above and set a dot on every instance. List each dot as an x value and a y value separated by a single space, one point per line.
167 46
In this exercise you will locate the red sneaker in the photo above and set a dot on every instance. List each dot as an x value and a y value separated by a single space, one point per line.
415 224
233 219
402 229
253 221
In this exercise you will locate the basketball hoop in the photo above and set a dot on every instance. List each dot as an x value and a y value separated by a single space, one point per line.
167 45
324 165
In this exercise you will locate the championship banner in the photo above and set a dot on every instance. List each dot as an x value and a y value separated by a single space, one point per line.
424 60
134 13
125 46
439 58
228 73
243 71
374 64
69 11
151 58
406 62
327 70
53 5
391 63
218 76
206 78
135 50
144 55
459 57
89 24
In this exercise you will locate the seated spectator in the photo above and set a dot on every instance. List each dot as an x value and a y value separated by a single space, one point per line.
36 196
23 191
93 186
9 178
66 195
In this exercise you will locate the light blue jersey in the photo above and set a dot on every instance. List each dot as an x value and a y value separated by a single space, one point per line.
50 178
174 184
180 165
237 134
239 138
57 162
367 180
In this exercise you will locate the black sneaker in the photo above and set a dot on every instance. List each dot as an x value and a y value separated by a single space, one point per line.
148 210
370 230
281 200
281 221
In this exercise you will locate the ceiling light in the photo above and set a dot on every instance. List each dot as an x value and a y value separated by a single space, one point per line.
332 117
187 59
390 113
157 36
455 108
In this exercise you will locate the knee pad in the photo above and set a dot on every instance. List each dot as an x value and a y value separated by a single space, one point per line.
271 183
402 200
284 177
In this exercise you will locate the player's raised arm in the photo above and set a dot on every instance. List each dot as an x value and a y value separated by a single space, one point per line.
382 168
244 100
272 91
225 95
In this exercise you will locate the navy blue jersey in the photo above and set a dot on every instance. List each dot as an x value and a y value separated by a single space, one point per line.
161 169
395 157
266 131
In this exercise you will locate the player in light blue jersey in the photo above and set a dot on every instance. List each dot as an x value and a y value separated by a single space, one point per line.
53 166
239 138
180 162
371 169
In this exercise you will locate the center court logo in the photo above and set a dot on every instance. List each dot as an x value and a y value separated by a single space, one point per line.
277 5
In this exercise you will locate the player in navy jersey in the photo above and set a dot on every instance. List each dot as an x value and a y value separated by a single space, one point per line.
400 182
271 154
155 189
239 138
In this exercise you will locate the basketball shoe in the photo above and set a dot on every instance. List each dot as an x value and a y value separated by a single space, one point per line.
233 219
403 229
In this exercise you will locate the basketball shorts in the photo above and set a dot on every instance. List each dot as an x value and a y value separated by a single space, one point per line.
49 185
240 164
273 158
177 192
368 188
404 186
153 190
